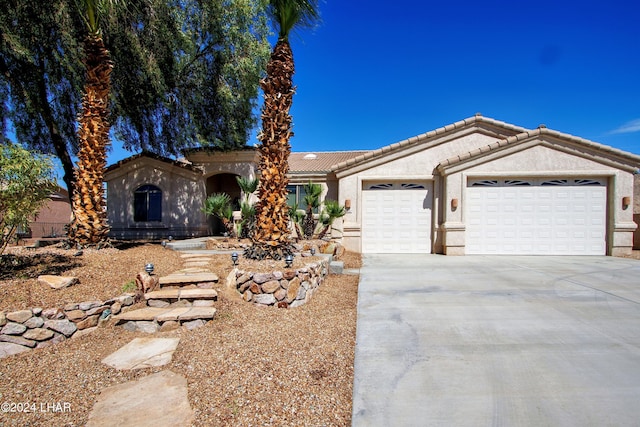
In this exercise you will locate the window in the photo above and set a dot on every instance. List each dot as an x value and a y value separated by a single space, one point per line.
147 204
295 197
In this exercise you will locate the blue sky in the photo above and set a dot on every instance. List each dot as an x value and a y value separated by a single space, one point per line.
377 72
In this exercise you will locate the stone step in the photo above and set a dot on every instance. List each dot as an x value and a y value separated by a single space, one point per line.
180 294
166 314
177 279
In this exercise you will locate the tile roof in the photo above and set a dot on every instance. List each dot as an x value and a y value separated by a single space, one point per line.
478 118
319 161
530 134
180 163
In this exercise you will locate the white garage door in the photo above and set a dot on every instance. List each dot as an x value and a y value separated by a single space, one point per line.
536 217
396 217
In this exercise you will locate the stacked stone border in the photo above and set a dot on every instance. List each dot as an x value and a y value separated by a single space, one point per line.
283 289
38 328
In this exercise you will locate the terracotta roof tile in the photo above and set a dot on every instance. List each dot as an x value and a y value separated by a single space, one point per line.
319 161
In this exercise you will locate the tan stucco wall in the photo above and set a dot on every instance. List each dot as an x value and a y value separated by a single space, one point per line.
539 161
183 194
414 164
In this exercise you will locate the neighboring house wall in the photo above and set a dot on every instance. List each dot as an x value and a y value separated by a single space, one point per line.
53 217
636 210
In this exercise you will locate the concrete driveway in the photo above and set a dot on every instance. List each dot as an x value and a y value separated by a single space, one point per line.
497 341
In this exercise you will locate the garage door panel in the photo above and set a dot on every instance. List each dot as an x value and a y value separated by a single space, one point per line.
561 218
403 224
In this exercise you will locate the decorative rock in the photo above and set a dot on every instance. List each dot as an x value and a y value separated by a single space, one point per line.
34 322
194 324
280 294
254 288
261 278
206 285
65 327
3 320
265 299
37 311
284 284
270 286
130 326
143 353
19 316
76 315
248 295
147 327
292 292
71 307
57 282
18 340
154 400
203 303
146 282
52 313
283 304
83 332
296 303
97 310
89 322
38 334
242 277
289 274
126 300
13 329
302 293
88 305
277 275
8 349
116 307
158 303
169 325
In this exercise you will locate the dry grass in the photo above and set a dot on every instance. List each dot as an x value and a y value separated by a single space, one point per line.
249 366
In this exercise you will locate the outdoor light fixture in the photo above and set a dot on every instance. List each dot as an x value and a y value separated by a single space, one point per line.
454 204
347 204
149 268
170 238
234 258
313 251
626 201
289 260
164 244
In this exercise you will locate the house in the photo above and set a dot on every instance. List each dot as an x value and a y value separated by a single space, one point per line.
52 218
477 186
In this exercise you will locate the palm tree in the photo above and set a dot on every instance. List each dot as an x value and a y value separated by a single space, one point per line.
89 223
271 237
312 200
219 205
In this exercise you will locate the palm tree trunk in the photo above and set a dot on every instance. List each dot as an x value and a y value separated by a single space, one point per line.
272 219
89 225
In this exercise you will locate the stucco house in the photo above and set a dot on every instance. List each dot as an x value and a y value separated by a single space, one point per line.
477 186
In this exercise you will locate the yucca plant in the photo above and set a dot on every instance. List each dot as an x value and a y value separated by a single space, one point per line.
247 209
312 201
297 216
331 211
219 205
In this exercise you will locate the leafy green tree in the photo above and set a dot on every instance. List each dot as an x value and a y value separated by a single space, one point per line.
272 218
26 182
186 73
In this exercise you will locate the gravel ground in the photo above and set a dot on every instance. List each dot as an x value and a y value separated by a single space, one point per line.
249 366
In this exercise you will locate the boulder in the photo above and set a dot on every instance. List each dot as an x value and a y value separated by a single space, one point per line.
64 326
34 322
18 340
38 334
57 282
270 286
20 316
12 328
